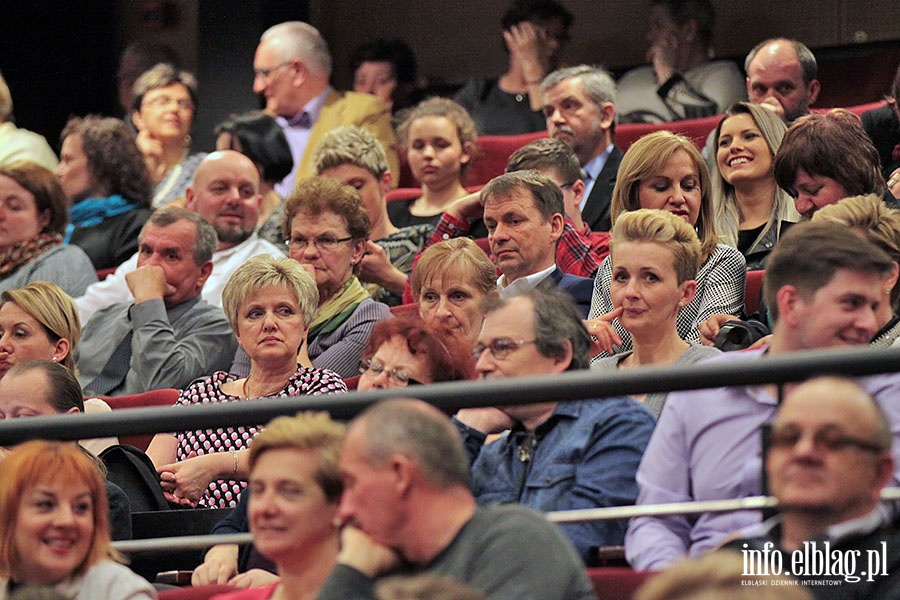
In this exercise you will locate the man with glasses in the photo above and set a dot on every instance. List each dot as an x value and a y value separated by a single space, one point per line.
555 456
829 457
823 284
291 69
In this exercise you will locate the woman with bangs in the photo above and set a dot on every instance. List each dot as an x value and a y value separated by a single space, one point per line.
53 513
665 171
655 256
751 210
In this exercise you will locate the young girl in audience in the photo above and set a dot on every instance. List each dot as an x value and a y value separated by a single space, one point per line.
751 210
439 138
665 171
655 256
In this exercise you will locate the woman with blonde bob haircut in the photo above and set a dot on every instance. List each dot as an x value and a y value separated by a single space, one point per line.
450 283
655 256
751 210
55 489
665 171
869 217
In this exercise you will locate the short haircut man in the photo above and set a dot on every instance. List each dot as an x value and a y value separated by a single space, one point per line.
168 335
829 457
781 73
292 66
598 444
523 212
407 502
579 105
824 284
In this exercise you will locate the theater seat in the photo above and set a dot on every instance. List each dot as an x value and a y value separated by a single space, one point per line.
617 583
752 289
163 397
695 129
493 152
201 592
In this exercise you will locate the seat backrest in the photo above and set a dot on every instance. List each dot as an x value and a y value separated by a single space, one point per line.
492 153
752 289
200 592
695 129
162 397
617 583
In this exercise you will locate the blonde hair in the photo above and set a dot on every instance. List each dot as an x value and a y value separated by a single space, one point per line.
314 431
264 271
727 210
6 105
54 310
646 158
351 145
664 228
460 256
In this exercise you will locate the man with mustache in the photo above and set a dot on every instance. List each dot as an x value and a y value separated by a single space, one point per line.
580 109
225 192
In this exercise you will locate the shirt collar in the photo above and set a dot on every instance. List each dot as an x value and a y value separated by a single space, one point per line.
308 115
596 164
529 281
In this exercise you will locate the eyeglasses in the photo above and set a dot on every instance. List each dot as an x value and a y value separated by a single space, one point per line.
499 347
265 73
399 376
165 101
326 243
823 440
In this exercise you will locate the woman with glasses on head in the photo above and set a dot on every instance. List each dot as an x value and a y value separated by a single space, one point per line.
163 112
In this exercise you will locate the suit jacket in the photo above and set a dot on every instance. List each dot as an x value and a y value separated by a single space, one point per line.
351 108
596 209
580 288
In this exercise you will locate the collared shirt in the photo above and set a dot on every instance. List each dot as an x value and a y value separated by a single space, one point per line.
297 131
528 281
592 170
707 446
585 456
864 525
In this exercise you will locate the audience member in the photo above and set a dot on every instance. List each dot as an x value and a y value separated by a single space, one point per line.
137 57
655 257
291 69
354 157
269 303
717 576
407 504
665 171
523 212
826 157
163 112
387 70
555 456
327 227
868 217
294 493
823 285
102 172
258 136
403 351
450 283
534 33
828 458
41 388
225 193
56 485
20 144
681 81
168 336
438 137
751 210
34 215
38 321
781 76
883 127
580 110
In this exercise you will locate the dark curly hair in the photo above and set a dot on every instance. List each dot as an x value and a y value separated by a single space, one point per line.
114 159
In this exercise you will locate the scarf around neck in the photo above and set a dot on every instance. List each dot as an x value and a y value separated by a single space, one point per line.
333 313
93 211
22 253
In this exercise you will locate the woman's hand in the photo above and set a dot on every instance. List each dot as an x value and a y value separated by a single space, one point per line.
467 208
254 578
893 183
709 328
525 43
219 565
663 55
185 482
603 336
375 267
152 149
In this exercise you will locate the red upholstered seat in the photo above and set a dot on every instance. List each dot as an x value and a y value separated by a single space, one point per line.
493 152
695 129
752 289
617 583
163 397
201 592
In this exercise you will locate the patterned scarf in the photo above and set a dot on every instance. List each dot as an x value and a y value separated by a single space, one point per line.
333 313
14 257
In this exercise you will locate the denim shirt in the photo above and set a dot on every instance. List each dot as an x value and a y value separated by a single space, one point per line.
585 456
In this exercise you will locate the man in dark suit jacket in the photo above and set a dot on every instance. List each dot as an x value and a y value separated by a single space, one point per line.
579 105
523 213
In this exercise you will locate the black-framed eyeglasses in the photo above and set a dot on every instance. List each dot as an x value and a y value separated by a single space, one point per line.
399 376
500 347
823 440
265 73
326 243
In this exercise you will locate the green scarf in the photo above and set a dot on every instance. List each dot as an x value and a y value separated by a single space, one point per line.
333 313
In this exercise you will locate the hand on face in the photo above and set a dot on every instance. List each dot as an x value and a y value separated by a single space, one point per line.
148 282
603 337
486 420
526 47
360 551
663 55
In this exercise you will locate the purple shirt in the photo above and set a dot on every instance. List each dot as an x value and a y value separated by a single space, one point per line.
297 131
706 446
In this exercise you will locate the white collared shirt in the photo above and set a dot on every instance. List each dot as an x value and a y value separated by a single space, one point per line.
529 281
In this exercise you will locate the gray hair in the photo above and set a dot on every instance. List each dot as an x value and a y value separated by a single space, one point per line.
598 84
206 242
303 41
805 57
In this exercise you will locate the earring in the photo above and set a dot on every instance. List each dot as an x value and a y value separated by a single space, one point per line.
680 304
54 359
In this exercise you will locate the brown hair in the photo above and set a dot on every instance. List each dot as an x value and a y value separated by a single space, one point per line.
456 255
317 195
48 193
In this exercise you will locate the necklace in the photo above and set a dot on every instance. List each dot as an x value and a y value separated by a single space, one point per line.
245 388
